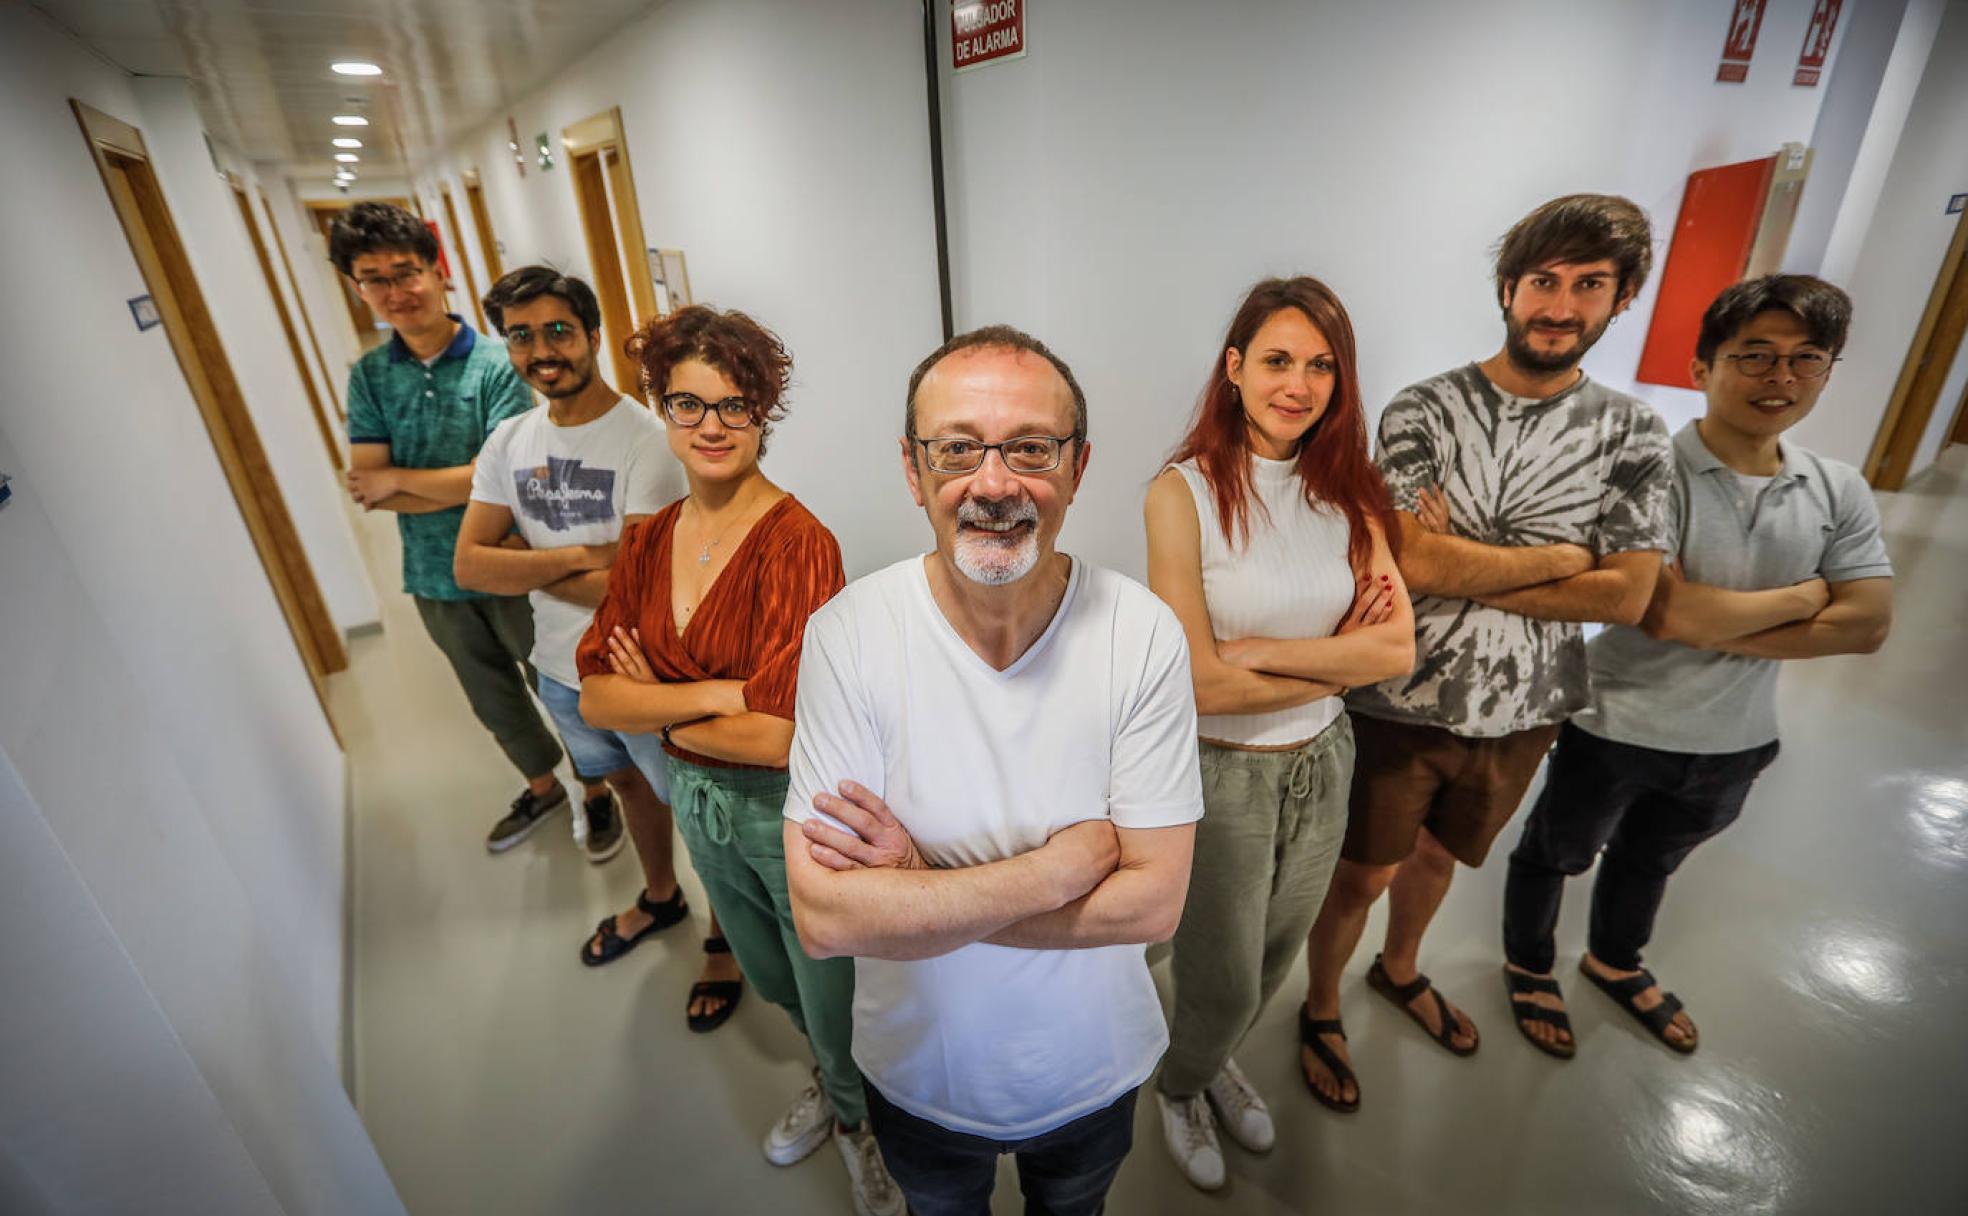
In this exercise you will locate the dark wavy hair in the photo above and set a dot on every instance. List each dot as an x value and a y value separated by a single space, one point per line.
375 227
1579 228
748 353
1333 462
529 283
1825 310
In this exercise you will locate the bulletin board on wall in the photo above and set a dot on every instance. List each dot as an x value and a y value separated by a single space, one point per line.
1734 223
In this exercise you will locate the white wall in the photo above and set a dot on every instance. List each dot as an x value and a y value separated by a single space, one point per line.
215 236
784 149
157 711
1901 254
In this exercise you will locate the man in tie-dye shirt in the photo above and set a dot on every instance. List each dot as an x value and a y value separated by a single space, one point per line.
1531 499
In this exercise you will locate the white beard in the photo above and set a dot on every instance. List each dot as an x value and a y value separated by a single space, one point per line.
983 558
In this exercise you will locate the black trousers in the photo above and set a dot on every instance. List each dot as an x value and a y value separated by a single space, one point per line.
1647 809
1063 1172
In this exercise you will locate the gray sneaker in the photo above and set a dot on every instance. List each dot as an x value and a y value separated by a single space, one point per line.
605 836
802 1128
875 1193
526 813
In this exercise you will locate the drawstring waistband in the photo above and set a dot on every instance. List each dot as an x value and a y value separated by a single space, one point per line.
704 800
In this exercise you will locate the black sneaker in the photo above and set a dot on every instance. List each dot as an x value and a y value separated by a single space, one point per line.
604 827
527 811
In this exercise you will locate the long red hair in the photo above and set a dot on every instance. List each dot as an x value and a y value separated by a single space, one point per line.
1333 462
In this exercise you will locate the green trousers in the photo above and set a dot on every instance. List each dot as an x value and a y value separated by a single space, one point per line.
488 642
1265 850
731 821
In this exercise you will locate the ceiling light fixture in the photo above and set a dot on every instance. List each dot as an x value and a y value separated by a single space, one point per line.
346 142
350 120
347 158
355 67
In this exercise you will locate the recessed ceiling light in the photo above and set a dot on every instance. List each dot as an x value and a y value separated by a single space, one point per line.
346 142
356 67
347 158
350 120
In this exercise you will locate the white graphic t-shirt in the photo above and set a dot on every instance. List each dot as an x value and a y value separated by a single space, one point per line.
573 485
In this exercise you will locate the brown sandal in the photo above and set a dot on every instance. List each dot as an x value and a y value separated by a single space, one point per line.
1309 1031
1403 994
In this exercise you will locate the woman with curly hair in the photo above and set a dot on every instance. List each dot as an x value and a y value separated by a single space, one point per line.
698 641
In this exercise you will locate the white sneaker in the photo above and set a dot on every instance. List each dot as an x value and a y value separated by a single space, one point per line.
802 1128
875 1193
1191 1136
1242 1112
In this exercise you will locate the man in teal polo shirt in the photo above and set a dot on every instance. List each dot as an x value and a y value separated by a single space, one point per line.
419 407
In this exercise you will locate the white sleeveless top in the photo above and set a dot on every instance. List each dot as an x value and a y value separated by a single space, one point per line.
1290 578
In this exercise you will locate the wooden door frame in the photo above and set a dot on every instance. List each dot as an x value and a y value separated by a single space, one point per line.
1907 415
611 224
319 411
300 302
464 258
488 245
137 198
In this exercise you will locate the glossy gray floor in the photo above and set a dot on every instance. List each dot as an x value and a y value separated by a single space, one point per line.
1821 943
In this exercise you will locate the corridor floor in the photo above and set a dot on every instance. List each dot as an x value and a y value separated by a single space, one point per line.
1821 943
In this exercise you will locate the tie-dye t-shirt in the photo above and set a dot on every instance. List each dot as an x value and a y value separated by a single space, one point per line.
1589 466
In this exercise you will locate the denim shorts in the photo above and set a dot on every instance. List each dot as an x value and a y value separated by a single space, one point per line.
596 752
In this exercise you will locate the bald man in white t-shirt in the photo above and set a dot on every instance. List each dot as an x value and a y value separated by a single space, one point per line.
993 802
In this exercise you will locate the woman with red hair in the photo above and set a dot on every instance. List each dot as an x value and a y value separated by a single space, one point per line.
1268 534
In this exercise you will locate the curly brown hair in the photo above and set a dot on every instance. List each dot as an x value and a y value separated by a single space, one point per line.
751 355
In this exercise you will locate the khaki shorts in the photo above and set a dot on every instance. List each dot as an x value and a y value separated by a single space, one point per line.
1463 790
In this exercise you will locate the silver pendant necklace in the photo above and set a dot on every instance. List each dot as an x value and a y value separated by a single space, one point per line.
704 558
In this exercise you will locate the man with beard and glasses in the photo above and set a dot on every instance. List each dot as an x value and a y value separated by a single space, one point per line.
419 408
1531 499
551 494
993 802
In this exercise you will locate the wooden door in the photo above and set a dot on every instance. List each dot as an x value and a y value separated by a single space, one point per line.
464 260
488 246
1925 372
287 326
300 302
141 207
611 223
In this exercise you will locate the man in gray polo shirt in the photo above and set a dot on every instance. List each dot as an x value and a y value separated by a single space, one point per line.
1774 553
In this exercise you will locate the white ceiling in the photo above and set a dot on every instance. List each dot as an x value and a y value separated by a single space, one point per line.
259 68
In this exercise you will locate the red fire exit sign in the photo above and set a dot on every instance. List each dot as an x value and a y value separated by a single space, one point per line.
983 31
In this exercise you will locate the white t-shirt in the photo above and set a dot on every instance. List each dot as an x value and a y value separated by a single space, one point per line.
1289 577
573 485
1096 720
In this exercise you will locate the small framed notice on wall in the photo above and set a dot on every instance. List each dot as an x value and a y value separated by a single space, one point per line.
144 309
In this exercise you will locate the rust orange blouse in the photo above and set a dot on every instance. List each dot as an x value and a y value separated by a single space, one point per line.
751 622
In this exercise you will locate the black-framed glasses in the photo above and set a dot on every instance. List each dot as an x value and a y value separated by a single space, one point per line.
1020 453
688 409
554 333
1804 364
377 284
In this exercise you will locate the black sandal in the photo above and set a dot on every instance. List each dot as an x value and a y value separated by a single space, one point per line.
614 945
1403 994
727 991
1526 1011
1656 1020
1309 1031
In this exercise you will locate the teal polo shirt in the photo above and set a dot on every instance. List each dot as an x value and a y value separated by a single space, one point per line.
433 417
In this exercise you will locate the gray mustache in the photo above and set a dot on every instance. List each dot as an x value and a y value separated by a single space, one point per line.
973 511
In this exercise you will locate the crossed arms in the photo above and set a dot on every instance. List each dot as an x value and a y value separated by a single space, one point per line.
1808 620
1557 582
377 484
491 557
868 891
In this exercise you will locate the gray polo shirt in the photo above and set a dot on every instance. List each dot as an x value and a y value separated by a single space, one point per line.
1815 518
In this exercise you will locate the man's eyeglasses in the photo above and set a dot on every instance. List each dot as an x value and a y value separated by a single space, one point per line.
688 409
1804 364
555 333
1021 454
377 284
